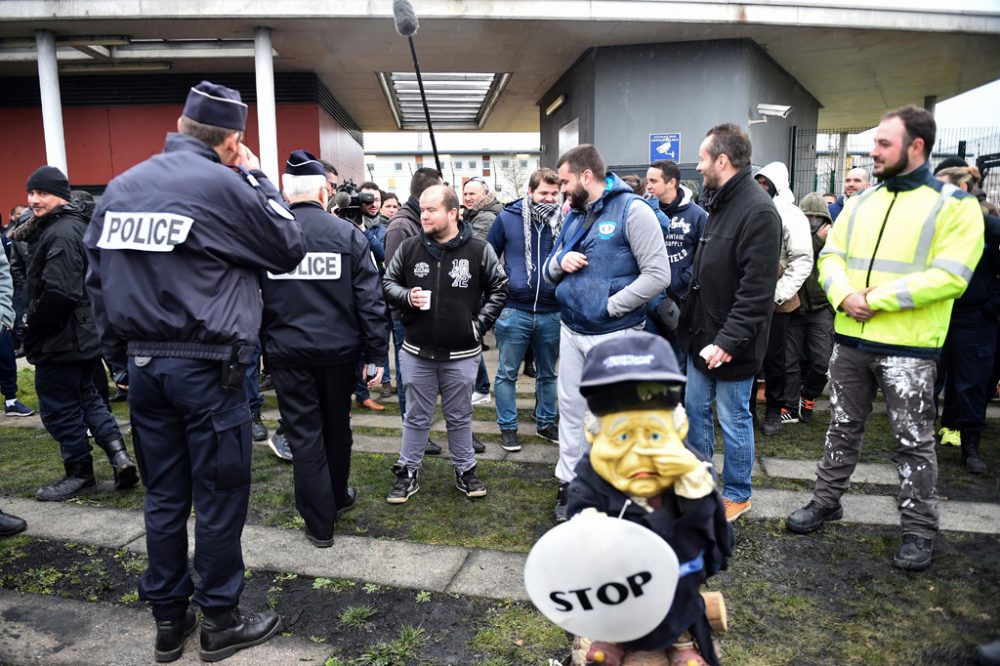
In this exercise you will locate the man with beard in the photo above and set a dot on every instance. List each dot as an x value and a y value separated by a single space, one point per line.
607 262
523 234
60 338
892 267
449 288
725 319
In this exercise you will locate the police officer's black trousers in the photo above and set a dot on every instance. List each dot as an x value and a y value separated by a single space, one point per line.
966 363
69 404
192 440
315 403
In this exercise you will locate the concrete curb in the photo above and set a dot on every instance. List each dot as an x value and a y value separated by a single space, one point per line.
42 629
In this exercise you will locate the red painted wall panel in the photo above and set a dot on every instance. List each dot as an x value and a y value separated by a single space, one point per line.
102 142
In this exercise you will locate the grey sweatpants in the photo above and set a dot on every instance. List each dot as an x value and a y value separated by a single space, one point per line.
425 379
908 386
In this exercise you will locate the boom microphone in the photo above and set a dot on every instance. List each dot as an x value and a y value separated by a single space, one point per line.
405 18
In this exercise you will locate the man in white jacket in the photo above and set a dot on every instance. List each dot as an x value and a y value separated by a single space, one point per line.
795 264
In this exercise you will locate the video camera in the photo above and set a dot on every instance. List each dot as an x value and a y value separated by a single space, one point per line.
349 201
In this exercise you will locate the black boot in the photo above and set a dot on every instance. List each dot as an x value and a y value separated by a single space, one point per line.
970 453
11 525
171 634
126 474
79 480
222 636
914 554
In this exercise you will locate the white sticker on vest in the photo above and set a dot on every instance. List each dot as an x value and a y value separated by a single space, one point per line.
315 266
149 232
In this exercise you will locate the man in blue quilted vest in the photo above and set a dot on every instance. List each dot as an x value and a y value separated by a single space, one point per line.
607 262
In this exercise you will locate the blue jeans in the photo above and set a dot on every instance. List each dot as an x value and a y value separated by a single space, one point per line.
482 378
732 400
515 330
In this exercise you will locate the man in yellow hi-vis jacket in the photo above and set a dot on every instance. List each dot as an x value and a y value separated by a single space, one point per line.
897 257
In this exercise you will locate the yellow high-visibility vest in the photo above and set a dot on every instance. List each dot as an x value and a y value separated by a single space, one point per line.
917 247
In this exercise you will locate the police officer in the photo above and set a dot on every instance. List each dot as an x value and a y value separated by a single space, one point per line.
175 246
320 320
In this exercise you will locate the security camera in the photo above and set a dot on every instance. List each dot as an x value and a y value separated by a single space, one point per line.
779 110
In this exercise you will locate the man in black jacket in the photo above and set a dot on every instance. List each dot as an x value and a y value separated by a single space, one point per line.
319 321
727 312
449 288
60 338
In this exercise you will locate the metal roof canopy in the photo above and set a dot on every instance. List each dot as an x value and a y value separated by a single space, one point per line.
856 58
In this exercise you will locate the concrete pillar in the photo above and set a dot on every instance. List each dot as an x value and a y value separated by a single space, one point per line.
267 125
48 85
930 102
841 163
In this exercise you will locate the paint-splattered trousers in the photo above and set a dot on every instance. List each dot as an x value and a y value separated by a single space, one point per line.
908 386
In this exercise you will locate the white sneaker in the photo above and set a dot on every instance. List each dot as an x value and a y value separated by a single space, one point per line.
480 398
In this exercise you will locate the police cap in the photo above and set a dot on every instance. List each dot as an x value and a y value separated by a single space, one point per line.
631 372
219 106
303 163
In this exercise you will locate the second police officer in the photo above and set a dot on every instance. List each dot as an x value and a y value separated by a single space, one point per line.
319 320
175 248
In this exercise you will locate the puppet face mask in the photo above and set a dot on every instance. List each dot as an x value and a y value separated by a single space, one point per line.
641 452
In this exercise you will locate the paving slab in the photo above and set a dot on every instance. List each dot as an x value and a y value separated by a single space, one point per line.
493 574
43 629
395 563
111 528
880 474
980 517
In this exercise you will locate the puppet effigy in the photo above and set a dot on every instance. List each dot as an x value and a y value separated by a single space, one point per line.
640 470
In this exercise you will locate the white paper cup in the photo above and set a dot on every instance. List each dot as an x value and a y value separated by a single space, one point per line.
427 303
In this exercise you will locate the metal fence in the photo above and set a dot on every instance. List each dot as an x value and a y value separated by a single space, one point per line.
821 159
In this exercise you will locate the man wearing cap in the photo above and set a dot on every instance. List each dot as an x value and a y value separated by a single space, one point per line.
60 338
319 320
191 227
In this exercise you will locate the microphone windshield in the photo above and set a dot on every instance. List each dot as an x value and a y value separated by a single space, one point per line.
342 200
405 18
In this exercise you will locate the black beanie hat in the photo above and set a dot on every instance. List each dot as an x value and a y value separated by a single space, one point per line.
950 162
52 180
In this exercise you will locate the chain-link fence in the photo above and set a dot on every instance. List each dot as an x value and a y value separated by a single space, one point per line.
820 160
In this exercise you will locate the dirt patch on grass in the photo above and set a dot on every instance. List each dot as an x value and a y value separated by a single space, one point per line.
362 623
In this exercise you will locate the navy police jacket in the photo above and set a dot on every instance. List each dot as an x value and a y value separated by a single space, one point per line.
329 308
175 246
697 531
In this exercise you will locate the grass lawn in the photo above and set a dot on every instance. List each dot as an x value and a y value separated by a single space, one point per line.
829 598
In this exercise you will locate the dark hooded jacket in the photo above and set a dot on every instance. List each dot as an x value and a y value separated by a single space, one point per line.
60 325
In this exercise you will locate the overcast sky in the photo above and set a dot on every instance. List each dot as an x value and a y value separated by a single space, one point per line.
979 107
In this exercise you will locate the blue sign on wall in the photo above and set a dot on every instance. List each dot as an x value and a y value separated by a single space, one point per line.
665 146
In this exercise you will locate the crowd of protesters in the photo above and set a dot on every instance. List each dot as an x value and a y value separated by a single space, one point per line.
746 285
